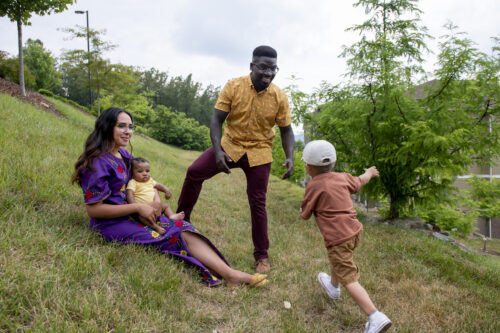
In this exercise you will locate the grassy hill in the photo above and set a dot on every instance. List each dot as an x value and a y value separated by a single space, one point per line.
56 275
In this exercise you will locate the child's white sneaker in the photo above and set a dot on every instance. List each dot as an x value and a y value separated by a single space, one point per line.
378 322
326 282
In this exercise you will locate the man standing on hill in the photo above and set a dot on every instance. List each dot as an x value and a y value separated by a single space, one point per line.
251 106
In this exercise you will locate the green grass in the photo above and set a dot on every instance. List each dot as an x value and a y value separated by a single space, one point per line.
56 275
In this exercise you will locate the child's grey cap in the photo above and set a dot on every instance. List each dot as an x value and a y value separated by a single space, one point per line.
319 153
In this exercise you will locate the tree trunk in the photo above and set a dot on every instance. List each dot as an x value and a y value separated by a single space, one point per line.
21 62
393 209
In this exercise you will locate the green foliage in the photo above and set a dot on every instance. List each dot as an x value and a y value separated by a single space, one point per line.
78 63
46 92
9 70
448 217
63 99
484 196
175 128
182 95
153 80
300 102
299 145
279 157
41 64
22 10
420 136
127 87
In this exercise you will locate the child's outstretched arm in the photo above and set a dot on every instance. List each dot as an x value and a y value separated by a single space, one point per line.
369 174
164 189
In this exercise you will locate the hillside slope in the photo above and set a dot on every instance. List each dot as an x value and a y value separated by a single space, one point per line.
57 275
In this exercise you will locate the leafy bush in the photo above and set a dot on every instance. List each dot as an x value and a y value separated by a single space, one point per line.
9 70
46 93
62 99
449 218
484 196
176 129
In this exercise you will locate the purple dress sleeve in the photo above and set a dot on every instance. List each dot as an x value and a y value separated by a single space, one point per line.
107 180
95 183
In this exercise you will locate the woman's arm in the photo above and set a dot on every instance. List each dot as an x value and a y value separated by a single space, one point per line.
130 196
106 211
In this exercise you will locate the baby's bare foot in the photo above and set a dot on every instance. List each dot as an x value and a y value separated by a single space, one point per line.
178 216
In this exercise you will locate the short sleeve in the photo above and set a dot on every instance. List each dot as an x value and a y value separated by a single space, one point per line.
95 183
353 183
132 185
308 204
283 117
153 182
225 98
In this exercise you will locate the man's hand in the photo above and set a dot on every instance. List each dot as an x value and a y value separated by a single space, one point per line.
221 159
288 163
288 143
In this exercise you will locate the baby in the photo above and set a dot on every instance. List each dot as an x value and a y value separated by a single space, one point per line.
143 189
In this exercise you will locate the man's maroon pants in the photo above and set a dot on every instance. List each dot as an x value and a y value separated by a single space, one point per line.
204 167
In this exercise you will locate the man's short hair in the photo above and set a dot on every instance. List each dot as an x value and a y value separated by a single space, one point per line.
265 51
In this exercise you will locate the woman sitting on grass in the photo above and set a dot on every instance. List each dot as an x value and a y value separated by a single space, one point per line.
103 170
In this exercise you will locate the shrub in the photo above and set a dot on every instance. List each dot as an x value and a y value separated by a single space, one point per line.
62 99
46 92
176 129
449 218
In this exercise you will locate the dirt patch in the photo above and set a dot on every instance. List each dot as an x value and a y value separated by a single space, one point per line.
32 97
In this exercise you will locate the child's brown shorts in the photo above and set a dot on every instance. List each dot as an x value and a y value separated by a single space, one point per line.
341 260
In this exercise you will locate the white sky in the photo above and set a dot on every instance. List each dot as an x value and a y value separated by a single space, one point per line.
213 40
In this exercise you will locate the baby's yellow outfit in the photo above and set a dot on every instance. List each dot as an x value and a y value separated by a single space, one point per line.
143 192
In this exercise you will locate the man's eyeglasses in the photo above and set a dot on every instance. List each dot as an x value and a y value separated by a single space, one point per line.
264 68
123 127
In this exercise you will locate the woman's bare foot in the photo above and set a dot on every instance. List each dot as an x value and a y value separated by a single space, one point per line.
236 278
176 217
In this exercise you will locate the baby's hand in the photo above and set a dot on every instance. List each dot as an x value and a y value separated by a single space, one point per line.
168 194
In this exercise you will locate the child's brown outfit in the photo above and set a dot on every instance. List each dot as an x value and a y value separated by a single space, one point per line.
328 196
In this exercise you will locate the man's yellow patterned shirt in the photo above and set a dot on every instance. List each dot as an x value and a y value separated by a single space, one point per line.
252 115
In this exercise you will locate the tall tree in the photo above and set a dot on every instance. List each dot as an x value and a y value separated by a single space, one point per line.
420 136
184 95
152 81
41 64
20 11
99 67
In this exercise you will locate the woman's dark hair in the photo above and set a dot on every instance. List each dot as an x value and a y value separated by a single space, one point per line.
99 142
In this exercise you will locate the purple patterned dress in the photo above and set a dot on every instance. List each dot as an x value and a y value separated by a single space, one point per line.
108 183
